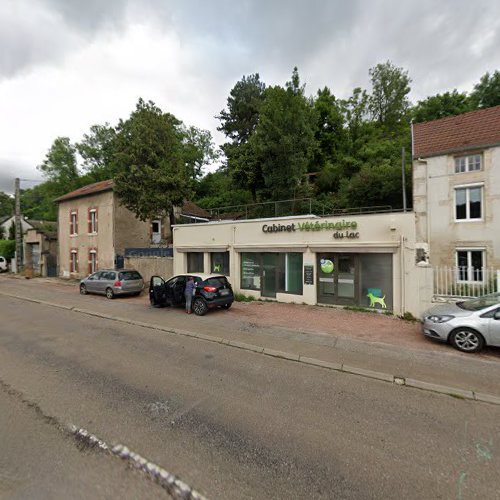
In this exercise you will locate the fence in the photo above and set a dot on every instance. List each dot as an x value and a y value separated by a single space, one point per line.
464 282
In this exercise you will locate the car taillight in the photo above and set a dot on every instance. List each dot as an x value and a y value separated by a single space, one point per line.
118 283
210 289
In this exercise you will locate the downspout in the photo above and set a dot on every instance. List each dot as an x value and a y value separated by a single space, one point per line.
403 274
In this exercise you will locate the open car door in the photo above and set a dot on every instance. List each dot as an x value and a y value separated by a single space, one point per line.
157 291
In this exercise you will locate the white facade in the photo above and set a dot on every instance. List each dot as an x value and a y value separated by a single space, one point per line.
312 260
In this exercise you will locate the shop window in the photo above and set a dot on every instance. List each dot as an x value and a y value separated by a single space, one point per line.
250 271
470 265
376 280
468 203
219 262
467 163
289 273
195 262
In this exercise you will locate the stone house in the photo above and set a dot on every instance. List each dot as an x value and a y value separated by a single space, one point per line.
456 192
40 249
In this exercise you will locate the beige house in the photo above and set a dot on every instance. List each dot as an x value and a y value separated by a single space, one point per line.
456 192
40 249
94 229
360 260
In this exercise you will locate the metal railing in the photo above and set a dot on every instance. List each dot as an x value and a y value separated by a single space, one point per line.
465 282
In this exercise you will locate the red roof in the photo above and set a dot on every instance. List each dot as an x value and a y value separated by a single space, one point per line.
473 130
97 187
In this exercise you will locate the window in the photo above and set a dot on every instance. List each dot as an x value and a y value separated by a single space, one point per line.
289 273
73 261
93 220
73 222
129 276
195 262
250 271
470 265
156 231
92 261
468 203
467 163
219 262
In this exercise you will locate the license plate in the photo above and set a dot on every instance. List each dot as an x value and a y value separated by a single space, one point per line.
224 292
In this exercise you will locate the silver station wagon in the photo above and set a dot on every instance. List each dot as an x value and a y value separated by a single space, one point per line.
467 325
112 283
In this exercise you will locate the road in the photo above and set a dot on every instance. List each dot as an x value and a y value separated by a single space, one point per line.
228 422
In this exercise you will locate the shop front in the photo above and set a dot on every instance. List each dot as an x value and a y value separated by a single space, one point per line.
364 261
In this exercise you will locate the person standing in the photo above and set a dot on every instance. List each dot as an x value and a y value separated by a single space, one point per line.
188 293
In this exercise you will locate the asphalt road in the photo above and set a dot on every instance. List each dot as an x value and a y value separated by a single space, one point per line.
230 423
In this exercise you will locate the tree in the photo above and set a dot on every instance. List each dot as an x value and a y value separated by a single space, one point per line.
6 204
97 150
441 105
487 92
12 231
2 233
389 102
60 164
198 150
284 140
151 175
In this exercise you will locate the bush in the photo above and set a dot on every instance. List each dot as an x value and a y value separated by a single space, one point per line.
239 297
7 249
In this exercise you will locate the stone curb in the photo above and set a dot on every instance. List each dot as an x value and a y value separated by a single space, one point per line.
381 376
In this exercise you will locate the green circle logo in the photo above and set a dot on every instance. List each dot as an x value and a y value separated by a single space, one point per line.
326 266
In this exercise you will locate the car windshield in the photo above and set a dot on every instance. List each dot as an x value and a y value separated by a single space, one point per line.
480 302
130 275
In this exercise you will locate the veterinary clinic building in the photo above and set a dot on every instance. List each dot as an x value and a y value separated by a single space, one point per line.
358 260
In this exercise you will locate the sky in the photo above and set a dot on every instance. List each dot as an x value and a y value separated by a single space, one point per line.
66 65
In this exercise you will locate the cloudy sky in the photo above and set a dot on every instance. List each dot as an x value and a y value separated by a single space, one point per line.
68 64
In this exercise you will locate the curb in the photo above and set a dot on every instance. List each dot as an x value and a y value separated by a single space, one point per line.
374 375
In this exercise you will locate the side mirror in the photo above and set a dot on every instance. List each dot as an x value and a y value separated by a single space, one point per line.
497 315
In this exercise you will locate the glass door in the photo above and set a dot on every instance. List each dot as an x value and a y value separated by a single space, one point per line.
269 274
346 278
338 281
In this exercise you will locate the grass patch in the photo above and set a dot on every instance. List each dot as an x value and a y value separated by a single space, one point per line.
240 297
408 316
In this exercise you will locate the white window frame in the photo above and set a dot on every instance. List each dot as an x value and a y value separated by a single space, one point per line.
93 220
468 161
74 223
93 260
73 264
467 188
156 236
470 269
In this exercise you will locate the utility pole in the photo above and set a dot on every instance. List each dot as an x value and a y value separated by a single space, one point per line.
18 227
403 168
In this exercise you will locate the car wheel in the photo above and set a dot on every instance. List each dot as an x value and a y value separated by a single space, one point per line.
109 293
467 340
83 289
227 306
200 307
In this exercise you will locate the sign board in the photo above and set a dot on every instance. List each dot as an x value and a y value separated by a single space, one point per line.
308 274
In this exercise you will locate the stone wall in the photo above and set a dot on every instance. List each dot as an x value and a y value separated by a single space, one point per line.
151 266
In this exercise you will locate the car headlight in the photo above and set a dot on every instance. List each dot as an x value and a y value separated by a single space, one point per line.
439 319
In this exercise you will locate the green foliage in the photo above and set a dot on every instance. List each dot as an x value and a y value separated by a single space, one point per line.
389 103
6 204
7 248
408 316
240 297
487 92
283 141
60 164
441 105
12 231
151 175
2 233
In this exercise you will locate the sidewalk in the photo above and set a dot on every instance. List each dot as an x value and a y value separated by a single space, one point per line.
367 341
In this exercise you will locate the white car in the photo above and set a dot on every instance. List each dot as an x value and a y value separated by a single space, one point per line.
3 264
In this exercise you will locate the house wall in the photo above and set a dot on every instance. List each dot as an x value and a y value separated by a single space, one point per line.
392 234
151 266
434 182
129 231
102 241
6 226
46 247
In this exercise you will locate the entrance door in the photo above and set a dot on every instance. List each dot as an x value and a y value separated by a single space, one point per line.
269 274
338 281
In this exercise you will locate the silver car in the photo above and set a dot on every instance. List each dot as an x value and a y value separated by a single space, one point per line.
467 325
111 283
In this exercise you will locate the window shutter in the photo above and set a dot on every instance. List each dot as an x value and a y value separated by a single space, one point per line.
96 219
70 221
89 220
76 223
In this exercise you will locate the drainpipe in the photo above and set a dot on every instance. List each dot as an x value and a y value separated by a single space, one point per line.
403 274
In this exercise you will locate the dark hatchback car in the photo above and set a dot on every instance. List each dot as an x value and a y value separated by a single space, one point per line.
212 290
